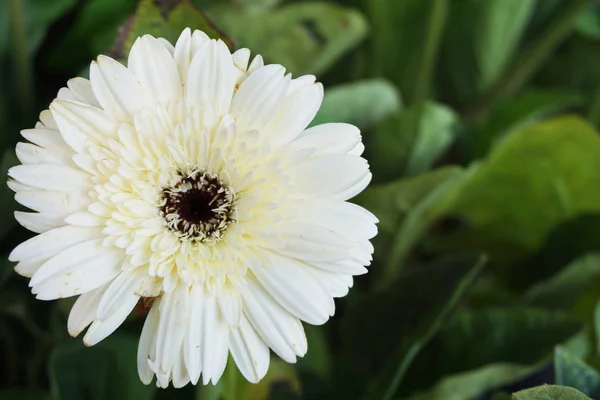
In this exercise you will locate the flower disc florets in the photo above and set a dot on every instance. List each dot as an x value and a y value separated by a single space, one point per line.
198 207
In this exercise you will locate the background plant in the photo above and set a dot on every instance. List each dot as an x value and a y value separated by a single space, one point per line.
480 121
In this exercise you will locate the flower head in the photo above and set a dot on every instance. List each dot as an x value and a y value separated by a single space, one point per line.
189 182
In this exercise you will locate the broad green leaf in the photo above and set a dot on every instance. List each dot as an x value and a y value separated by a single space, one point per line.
405 209
428 131
474 384
405 41
168 24
102 372
562 289
7 196
412 141
571 371
362 103
588 22
418 220
550 392
500 25
391 202
305 37
94 31
402 318
472 339
537 178
516 113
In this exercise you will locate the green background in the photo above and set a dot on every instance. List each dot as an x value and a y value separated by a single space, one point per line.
480 120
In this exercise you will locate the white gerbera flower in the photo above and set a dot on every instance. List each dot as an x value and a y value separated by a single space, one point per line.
187 180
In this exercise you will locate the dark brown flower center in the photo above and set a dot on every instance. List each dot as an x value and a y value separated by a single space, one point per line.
198 207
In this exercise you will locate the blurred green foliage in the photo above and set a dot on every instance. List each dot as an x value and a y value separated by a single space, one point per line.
480 120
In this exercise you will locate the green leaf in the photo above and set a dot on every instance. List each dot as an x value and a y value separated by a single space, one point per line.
7 197
405 209
571 371
499 29
403 318
550 392
537 178
362 103
391 202
412 141
166 23
103 372
306 37
472 339
405 50
562 289
516 113
588 21
474 384
418 220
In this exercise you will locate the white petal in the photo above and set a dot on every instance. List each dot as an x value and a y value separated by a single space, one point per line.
289 283
230 304
52 177
174 309
329 175
345 218
279 329
156 70
337 285
99 330
147 344
29 153
241 58
327 139
117 89
82 89
83 266
210 76
47 139
85 218
82 125
347 267
297 110
192 345
52 242
53 201
38 223
83 311
355 189
215 342
259 97
250 353
185 49
121 290
180 374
